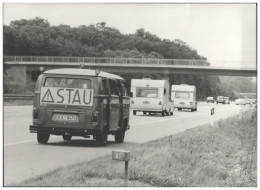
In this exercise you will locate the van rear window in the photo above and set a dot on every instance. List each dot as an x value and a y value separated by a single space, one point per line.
67 83
147 92
182 95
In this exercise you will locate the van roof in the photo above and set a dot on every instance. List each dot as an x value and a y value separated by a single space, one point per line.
183 88
82 72
149 82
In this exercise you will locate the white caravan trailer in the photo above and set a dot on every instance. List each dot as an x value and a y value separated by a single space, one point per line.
151 96
184 97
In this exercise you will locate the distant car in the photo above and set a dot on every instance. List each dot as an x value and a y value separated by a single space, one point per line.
240 101
210 99
248 101
220 99
226 100
253 101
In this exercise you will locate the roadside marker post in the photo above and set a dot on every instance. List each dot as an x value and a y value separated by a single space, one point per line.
122 155
212 111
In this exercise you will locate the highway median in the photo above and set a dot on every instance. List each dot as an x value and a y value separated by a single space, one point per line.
223 155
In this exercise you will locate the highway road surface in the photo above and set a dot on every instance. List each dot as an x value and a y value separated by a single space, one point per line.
24 158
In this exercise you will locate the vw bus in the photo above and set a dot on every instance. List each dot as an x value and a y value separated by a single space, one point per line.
151 96
80 102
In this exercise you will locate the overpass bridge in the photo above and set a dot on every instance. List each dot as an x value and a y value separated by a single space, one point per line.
128 65
27 68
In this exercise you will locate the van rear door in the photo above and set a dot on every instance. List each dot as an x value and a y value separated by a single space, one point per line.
66 101
114 103
181 99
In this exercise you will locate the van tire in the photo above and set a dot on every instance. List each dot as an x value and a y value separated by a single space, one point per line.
163 113
101 138
120 136
66 137
134 112
171 113
144 112
179 109
43 138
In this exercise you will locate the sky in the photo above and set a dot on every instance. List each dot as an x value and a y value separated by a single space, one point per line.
223 33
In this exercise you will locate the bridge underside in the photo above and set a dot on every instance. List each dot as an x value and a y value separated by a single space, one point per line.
151 69
25 75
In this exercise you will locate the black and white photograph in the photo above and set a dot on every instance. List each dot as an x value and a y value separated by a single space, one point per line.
129 94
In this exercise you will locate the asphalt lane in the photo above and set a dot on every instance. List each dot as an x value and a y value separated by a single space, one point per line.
25 158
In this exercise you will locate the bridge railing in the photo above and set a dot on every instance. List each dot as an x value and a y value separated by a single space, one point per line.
107 60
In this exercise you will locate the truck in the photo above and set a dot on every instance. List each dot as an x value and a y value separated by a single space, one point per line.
151 96
184 97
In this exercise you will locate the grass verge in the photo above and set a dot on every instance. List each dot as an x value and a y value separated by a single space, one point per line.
223 155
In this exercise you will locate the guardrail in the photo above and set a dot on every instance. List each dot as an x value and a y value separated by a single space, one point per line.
18 97
106 60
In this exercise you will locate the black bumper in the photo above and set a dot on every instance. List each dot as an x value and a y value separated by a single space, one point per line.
62 131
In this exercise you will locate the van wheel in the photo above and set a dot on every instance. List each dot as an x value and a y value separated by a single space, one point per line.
134 112
66 137
167 113
150 113
171 113
179 109
120 136
101 138
43 137
144 112
163 113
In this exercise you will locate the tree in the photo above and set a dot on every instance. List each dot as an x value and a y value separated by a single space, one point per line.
32 22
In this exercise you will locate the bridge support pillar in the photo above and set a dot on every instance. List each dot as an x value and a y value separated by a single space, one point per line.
166 77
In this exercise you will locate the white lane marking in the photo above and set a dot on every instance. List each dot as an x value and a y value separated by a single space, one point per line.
23 142
11 121
18 142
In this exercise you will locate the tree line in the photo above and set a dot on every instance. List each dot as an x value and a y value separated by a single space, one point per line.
36 37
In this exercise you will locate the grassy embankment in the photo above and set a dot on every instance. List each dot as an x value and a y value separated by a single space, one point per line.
223 155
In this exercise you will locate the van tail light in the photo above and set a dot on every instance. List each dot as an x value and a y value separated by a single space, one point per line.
35 113
160 103
191 103
94 116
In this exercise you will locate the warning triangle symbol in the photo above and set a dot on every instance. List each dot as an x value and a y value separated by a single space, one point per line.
48 97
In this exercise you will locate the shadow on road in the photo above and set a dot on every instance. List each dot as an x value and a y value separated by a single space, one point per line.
153 115
89 143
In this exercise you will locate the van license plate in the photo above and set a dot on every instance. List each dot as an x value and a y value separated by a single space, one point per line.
65 117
